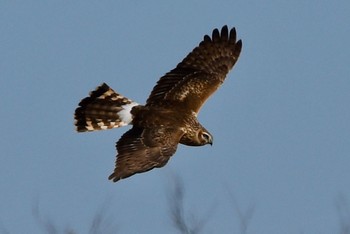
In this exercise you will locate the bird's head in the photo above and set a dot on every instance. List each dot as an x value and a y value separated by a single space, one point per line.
196 135
204 137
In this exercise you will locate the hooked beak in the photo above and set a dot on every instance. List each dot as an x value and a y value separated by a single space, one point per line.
210 141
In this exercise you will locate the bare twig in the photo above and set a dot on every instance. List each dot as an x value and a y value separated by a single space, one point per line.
181 221
99 224
244 217
47 224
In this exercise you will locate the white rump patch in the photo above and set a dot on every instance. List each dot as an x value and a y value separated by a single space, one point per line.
124 115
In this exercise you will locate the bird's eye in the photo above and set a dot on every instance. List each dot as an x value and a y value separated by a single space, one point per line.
205 136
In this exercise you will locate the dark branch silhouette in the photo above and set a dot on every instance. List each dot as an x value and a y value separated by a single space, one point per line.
188 224
100 223
244 217
183 221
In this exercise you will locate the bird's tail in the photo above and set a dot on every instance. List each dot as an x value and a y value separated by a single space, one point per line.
103 109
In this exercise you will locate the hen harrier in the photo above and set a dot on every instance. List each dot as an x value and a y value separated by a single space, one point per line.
169 116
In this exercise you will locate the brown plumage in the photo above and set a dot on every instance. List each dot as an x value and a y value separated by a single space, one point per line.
170 114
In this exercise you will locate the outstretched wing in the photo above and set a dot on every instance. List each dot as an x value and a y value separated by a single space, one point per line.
200 74
140 150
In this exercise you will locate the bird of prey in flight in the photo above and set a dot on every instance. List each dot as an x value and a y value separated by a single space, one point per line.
169 116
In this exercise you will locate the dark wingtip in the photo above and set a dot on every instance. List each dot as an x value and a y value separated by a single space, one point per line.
216 35
207 38
113 178
233 35
239 45
225 34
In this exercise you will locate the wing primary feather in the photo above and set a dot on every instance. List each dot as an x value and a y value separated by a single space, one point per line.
206 39
216 35
224 33
233 35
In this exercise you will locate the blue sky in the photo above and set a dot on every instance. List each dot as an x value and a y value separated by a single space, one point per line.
280 121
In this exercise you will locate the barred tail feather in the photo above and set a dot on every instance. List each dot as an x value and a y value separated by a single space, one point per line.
103 109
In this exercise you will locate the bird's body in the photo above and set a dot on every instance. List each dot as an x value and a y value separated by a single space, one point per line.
169 116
